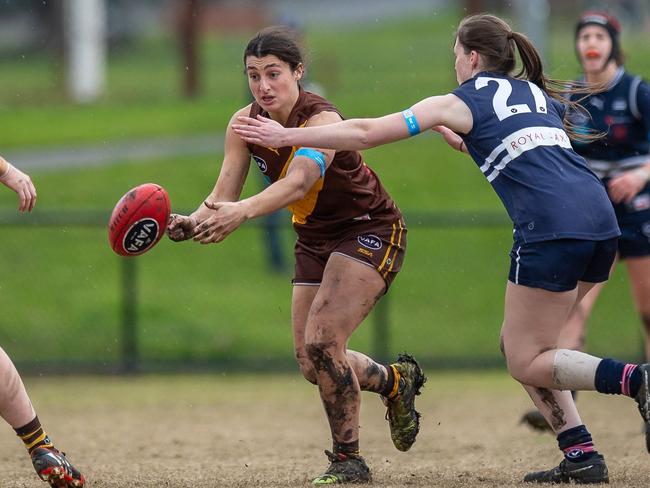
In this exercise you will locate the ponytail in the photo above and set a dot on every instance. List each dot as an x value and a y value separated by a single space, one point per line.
495 41
532 69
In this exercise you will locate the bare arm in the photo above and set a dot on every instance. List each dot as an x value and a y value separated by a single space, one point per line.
355 134
624 187
301 175
451 138
234 169
20 182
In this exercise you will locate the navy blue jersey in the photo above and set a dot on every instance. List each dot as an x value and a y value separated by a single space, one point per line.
622 113
519 143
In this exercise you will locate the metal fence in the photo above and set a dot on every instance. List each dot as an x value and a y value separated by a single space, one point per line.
130 357
121 317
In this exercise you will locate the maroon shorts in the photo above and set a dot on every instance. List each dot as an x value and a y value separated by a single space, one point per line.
382 248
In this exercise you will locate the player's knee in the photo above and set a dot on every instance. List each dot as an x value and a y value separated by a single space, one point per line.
517 367
320 353
310 375
502 347
518 375
306 368
516 372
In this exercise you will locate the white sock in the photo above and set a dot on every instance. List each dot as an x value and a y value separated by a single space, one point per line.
574 370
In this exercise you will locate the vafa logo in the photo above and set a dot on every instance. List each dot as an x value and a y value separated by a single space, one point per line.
261 164
141 235
370 241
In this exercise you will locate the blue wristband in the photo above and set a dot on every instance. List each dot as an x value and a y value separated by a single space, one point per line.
411 122
316 156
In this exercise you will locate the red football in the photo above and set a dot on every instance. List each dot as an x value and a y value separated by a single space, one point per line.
139 220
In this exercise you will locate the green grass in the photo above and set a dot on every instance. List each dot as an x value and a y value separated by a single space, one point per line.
220 303
62 284
369 70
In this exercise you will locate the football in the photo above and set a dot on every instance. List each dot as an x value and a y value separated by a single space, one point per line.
139 220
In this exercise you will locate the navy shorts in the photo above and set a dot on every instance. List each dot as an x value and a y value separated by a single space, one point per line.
558 265
634 222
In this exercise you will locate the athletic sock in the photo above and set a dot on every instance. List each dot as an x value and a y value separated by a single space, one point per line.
392 382
346 447
33 435
617 378
576 444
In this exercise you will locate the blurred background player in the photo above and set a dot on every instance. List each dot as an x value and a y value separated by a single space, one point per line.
621 111
351 244
565 229
15 407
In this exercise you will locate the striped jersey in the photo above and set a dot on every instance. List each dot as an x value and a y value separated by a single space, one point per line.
622 113
519 143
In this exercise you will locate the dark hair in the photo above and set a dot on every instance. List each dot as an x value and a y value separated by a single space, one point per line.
495 41
279 41
611 25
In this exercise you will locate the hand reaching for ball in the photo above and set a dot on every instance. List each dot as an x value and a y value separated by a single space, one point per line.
181 227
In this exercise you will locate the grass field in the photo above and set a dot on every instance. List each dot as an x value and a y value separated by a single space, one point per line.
368 69
220 303
241 431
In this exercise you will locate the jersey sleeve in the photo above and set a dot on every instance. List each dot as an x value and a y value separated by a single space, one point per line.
560 107
643 104
465 92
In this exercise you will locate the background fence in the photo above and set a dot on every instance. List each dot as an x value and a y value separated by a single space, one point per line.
90 310
68 303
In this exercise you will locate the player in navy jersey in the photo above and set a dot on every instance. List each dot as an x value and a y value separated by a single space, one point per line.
16 408
565 229
621 111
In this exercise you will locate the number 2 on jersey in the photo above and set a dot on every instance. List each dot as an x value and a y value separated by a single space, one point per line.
504 90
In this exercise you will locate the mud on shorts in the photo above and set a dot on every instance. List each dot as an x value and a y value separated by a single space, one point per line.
558 265
382 248
634 222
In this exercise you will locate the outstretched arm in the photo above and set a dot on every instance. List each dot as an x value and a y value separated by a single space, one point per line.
234 169
306 167
355 134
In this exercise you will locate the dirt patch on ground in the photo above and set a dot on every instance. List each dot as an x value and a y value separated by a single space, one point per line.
240 431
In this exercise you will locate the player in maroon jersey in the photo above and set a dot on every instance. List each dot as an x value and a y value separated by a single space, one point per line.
351 244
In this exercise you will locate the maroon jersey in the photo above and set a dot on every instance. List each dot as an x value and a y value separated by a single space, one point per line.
348 194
